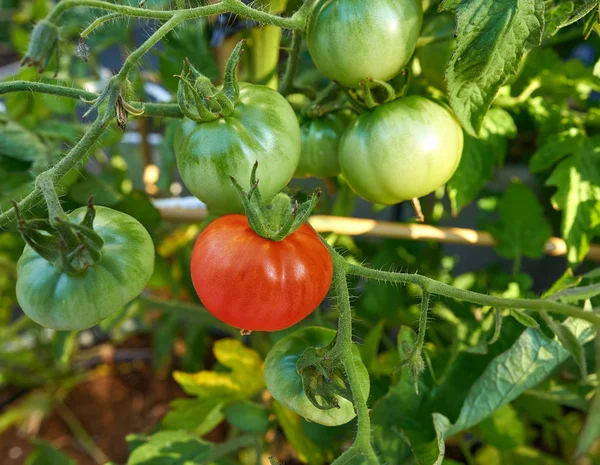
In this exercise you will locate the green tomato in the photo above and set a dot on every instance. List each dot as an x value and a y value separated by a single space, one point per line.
320 145
401 150
285 384
434 57
352 40
263 127
63 301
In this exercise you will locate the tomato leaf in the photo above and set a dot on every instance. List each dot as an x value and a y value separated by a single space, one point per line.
577 179
522 229
491 40
529 360
197 416
569 342
557 147
46 454
248 416
168 448
524 319
503 429
243 381
480 157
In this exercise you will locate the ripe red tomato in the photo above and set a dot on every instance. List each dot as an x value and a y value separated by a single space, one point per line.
256 284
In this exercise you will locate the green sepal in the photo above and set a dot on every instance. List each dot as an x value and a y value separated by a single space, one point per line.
200 100
69 246
277 220
323 377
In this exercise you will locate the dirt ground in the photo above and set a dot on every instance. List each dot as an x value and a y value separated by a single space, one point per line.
117 400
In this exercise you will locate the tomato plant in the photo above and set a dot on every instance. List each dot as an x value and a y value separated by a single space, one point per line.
386 165
352 40
320 146
285 383
303 324
256 284
262 127
61 300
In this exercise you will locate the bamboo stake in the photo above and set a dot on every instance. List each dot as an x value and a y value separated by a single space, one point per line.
368 227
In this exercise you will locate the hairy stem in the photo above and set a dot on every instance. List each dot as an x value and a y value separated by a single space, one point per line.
343 349
59 170
435 287
170 110
297 21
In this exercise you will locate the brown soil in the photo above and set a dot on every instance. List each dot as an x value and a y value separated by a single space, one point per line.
115 401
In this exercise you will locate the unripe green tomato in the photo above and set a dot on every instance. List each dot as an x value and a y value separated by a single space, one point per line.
401 150
63 301
263 127
285 383
434 57
320 146
352 40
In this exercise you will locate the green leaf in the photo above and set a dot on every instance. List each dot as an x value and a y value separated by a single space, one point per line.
597 69
556 14
45 453
480 157
578 294
528 361
569 342
566 281
291 423
522 229
243 381
491 40
248 416
503 429
524 319
193 415
577 180
557 146
19 143
429 452
168 448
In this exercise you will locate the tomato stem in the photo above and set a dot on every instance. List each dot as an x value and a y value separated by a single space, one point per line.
343 349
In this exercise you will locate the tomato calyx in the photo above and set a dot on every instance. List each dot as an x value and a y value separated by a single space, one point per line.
200 100
70 247
323 377
279 219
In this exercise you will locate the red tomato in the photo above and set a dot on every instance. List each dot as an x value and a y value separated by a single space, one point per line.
256 284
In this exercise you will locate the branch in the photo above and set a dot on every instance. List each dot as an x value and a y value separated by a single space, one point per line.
435 287
297 21
170 110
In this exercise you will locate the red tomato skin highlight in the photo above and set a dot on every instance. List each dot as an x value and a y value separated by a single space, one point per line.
256 284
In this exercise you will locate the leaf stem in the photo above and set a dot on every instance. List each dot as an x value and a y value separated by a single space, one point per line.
435 287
